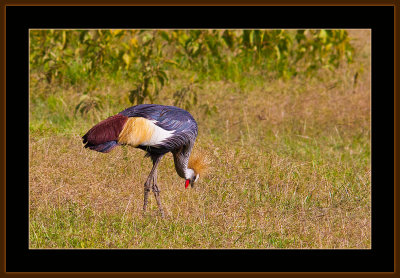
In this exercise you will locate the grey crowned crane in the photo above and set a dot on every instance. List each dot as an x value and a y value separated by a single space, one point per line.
156 129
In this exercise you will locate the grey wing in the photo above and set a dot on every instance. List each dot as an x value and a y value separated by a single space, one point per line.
184 131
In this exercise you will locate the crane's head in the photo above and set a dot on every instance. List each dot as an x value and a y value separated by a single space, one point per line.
197 166
192 178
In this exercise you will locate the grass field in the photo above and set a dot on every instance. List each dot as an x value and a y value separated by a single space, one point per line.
290 167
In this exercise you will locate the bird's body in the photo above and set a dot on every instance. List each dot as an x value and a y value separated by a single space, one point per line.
157 129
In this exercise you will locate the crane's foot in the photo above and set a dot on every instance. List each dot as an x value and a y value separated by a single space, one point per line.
156 192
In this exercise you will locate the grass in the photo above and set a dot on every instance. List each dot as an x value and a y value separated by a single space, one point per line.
290 168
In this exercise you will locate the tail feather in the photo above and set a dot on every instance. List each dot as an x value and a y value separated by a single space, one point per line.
103 148
103 137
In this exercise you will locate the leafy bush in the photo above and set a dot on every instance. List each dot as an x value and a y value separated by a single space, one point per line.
146 57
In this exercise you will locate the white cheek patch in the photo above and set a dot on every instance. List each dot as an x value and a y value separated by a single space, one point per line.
158 135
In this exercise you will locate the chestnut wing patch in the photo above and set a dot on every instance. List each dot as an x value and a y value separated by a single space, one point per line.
105 131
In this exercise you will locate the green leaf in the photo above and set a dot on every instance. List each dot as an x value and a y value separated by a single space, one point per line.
127 59
165 36
322 35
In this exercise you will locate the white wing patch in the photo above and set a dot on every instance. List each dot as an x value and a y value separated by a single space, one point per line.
158 136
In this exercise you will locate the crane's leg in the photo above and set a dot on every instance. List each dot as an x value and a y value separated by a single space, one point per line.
150 182
156 192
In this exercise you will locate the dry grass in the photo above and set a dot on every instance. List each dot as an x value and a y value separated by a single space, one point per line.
290 168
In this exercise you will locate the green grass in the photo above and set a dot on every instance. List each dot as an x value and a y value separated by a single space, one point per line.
290 167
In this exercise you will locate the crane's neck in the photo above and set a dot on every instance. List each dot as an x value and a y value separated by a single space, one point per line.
181 159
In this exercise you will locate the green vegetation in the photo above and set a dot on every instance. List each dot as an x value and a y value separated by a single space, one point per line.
147 57
284 117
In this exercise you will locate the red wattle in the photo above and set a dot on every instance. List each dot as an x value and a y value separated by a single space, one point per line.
186 183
